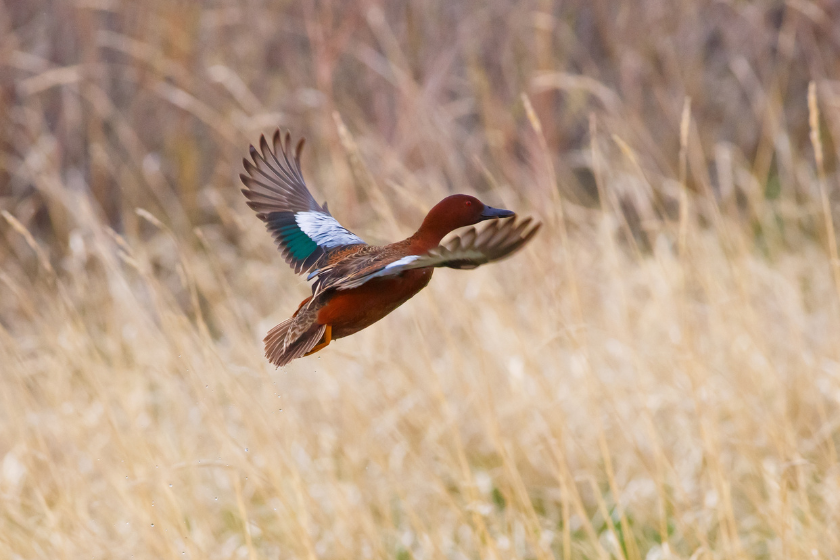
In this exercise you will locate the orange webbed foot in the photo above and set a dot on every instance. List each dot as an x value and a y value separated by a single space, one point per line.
325 341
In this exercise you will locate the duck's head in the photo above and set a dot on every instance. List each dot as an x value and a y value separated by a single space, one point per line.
457 211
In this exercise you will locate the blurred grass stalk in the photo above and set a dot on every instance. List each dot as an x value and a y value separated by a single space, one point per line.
656 376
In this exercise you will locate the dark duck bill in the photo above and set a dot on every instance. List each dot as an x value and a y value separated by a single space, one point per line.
490 213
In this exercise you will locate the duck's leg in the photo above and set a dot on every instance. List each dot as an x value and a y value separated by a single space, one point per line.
325 341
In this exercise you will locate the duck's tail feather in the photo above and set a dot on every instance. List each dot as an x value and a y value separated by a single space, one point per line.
292 339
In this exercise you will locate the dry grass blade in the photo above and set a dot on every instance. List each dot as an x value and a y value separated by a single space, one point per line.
30 241
685 124
828 219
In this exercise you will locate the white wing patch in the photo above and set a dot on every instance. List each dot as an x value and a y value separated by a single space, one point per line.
393 268
396 264
325 230
390 269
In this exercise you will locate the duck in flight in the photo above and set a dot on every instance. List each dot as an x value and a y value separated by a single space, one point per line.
356 284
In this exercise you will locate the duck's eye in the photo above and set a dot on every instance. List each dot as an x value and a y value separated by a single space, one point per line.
468 203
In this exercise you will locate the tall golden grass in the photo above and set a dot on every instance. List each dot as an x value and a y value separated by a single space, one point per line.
656 376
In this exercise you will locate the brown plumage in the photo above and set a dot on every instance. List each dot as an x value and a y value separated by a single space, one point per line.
356 284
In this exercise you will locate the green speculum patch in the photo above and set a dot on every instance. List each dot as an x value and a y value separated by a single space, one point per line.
299 244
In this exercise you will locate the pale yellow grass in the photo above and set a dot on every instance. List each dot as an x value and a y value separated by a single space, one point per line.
656 376
692 400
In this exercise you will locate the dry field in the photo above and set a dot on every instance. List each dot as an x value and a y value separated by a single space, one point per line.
656 376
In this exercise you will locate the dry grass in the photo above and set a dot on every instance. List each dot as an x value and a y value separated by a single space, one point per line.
657 375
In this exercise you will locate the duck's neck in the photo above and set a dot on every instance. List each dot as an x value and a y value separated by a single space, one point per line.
429 235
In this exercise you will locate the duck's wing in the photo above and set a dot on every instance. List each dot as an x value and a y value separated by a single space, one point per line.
471 249
304 231
353 264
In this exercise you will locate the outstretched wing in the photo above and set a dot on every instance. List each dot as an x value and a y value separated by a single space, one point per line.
303 230
471 249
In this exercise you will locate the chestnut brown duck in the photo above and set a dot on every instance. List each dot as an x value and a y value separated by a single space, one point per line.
356 284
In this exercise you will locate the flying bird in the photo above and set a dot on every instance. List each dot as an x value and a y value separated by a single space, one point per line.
356 284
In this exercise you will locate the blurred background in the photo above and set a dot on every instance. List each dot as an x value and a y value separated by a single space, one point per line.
657 375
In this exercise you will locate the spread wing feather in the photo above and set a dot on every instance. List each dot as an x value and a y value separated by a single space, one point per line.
304 231
469 250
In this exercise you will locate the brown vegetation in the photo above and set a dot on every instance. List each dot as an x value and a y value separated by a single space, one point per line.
656 375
